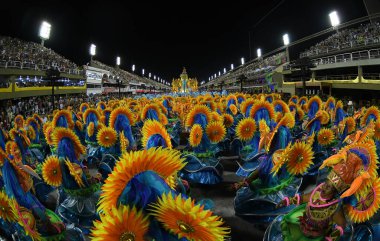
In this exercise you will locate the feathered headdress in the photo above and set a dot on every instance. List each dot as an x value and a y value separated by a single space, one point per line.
155 135
313 106
62 118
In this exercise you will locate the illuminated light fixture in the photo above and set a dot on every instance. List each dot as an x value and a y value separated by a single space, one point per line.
45 29
219 73
334 19
143 71
118 61
150 75
214 75
154 77
92 49
232 66
286 40
224 70
133 68
258 53
242 61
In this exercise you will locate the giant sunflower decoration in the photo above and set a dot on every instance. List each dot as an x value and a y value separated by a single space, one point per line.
90 111
19 121
372 112
152 106
233 109
300 158
51 171
7 207
377 130
198 109
121 111
350 123
124 142
90 129
215 131
165 162
31 121
152 127
216 117
163 119
247 103
123 223
63 113
260 105
196 134
60 133
48 131
367 205
106 137
245 129
228 120
183 218
83 107
325 137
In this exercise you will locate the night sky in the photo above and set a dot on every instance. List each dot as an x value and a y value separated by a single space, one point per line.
163 37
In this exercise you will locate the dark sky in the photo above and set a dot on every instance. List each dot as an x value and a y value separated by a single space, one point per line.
163 37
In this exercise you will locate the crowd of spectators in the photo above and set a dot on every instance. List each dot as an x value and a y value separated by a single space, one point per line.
43 105
16 53
364 34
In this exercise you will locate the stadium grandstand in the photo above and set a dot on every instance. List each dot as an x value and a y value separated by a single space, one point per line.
344 63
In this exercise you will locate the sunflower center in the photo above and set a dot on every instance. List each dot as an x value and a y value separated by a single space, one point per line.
247 129
184 227
127 236
325 138
215 132
107 138
54 171
300 159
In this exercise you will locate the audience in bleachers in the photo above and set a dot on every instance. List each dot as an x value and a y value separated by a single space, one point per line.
365 34
16 53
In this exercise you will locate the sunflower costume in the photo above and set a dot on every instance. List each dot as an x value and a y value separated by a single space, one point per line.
258 195
350 195
202 165
80 189
263 114
31 219
139 192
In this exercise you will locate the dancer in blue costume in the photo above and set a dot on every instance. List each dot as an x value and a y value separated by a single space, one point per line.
250 155
259 193
140 180
202 165
91 118
81 189
34 219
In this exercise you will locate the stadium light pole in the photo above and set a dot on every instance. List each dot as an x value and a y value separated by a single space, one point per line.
286 40
118 61
92 50
44 34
